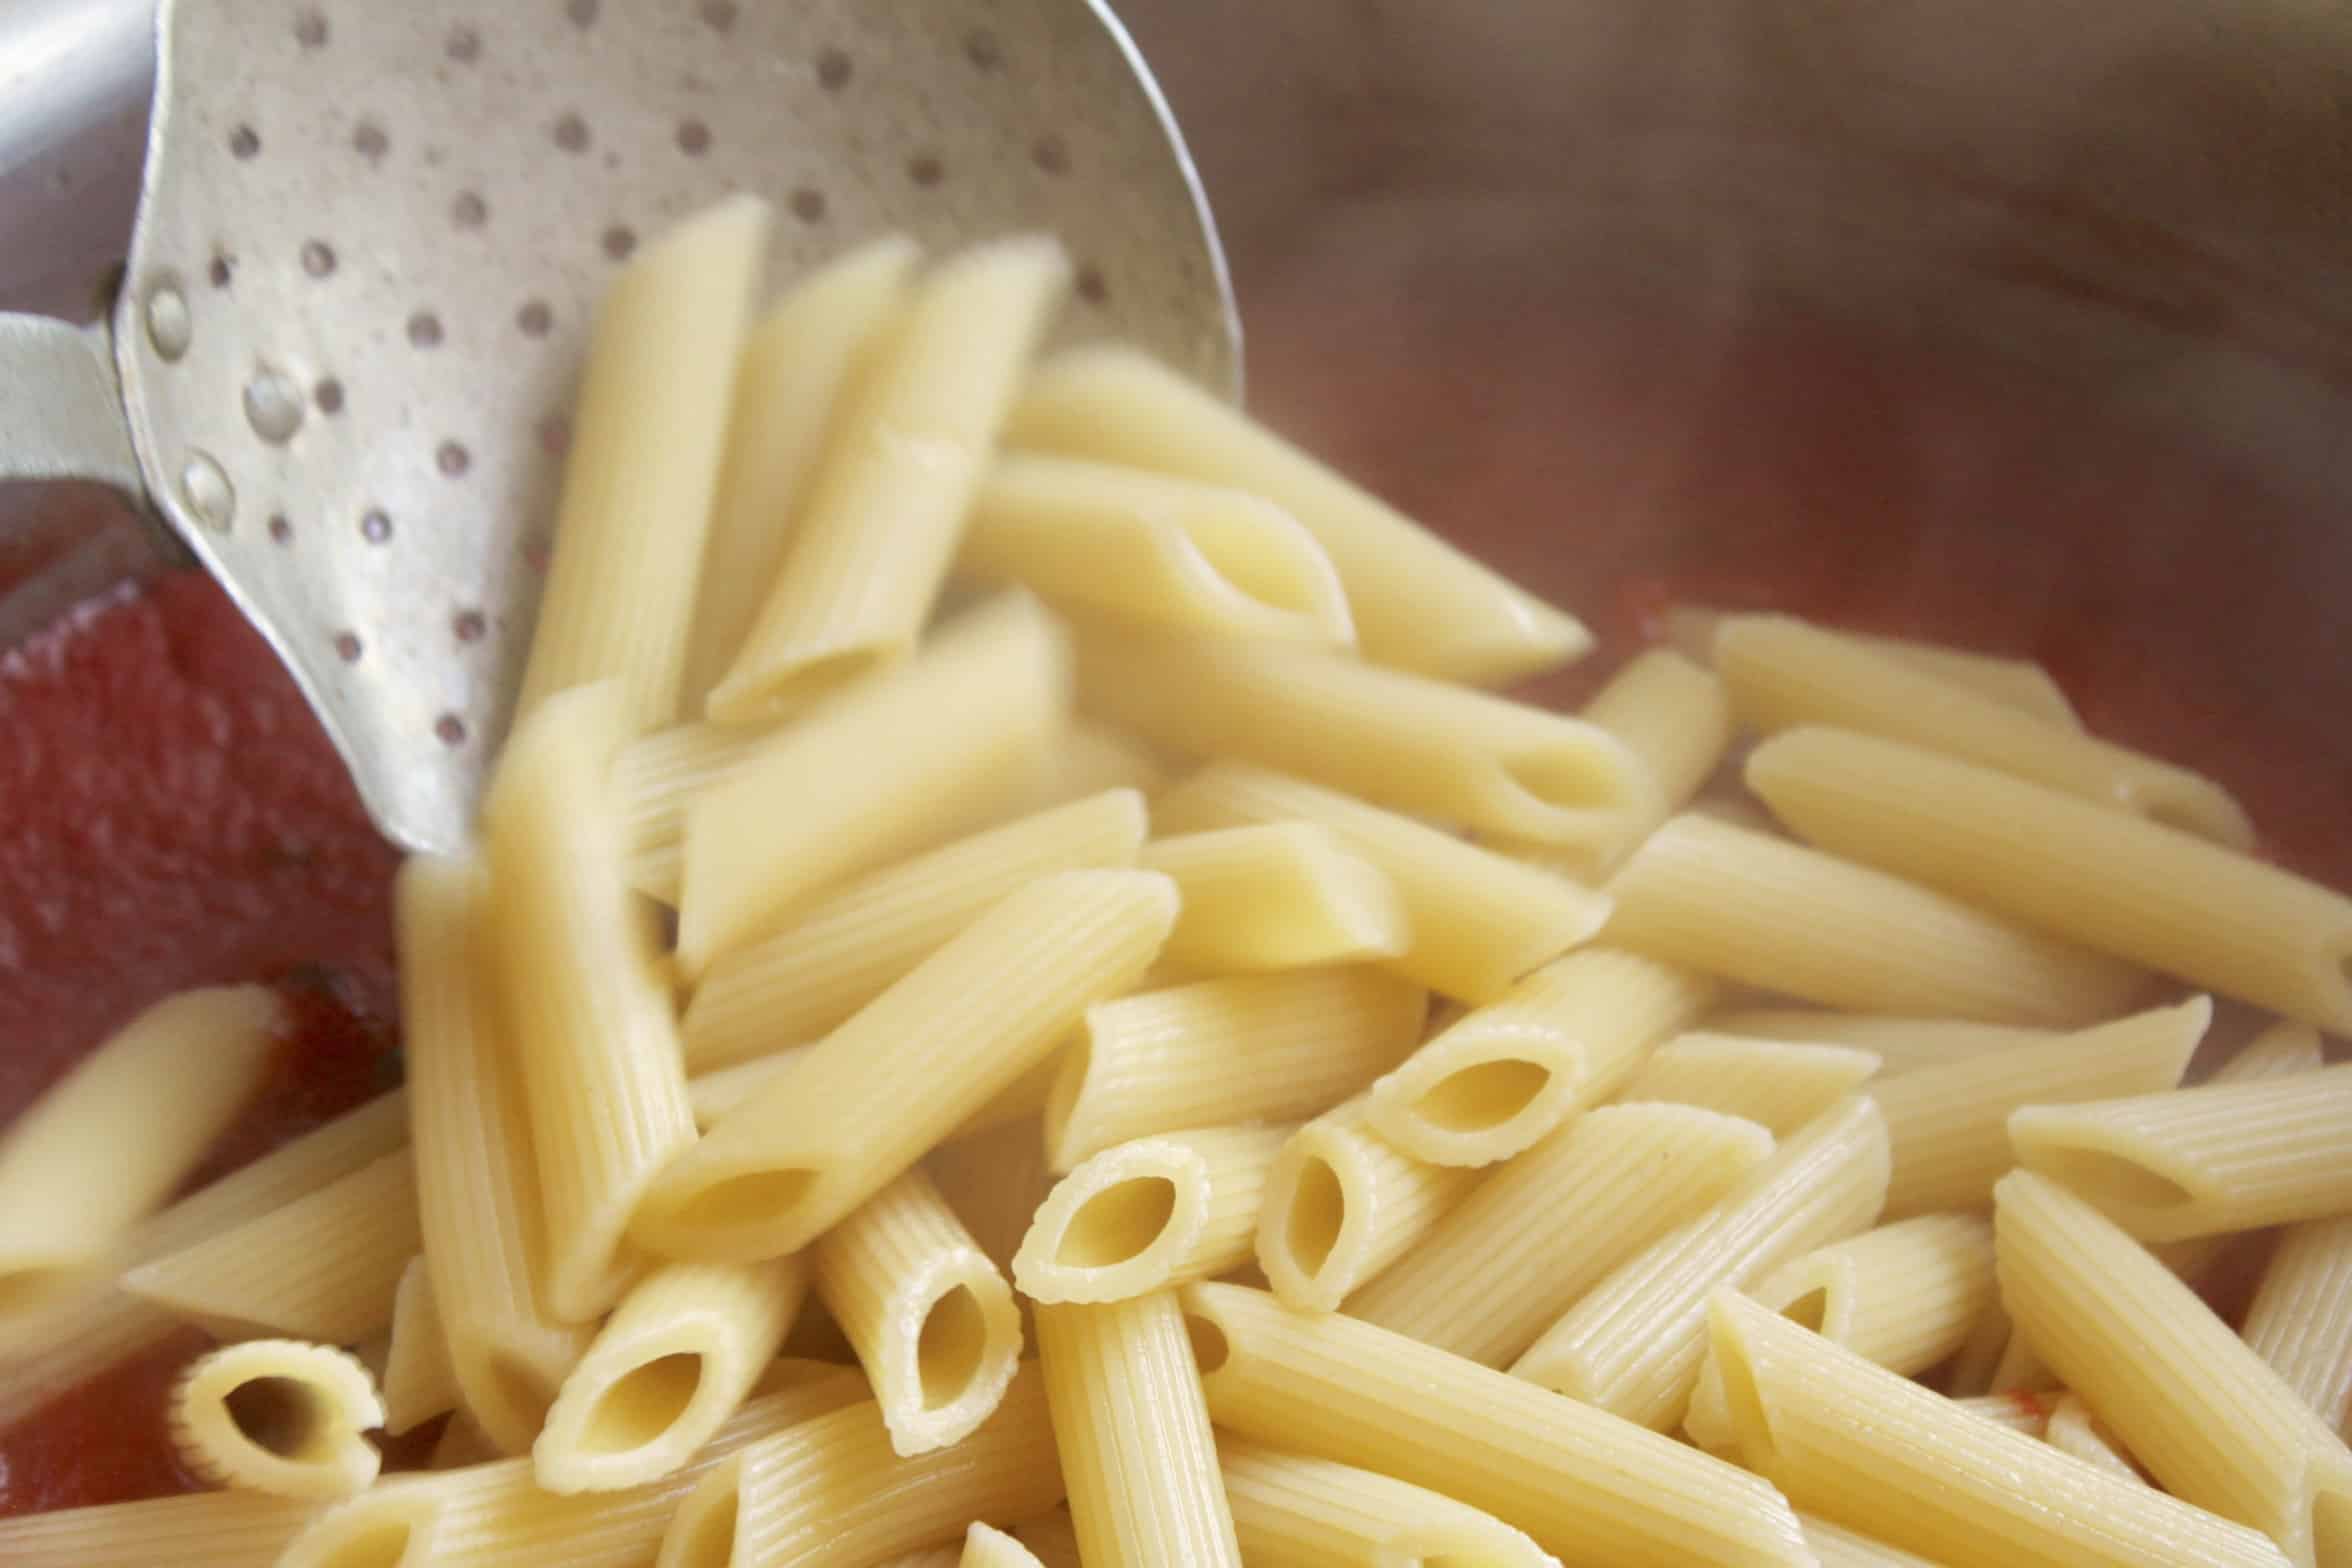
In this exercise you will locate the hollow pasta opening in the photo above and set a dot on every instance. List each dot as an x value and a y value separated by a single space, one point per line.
2331 1529
948 1350
643 1404
1751 1423
283 1416
2112 1180
382 1544
702 1532
804 684
1210 1348
1809 1310
755 1198
1565 779
1483 1096
1318 1206
1257 575
1118 1224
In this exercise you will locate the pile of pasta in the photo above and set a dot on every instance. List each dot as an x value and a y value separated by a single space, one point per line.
1020 999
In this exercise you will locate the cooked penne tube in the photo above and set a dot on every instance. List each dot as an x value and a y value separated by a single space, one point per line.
1901 1044
2197 1162
1419 603
932 1319
1153 548
418 1382
2020 1410
2301 1318
1783 673
713 1094
1405 740
587 1015
1251 1048
2020 1370
649 431
1634 1344
1873 1451
1501 1077
2072 1429
1776 915
886 503
2137 890
194 1530
478 1198
1585 1484
875 1095
1480 920
1672 714
2021 683
798 366
1970 1372
672 1363
1837 1547
322 1267
278 1416
1949 1126
994 1182
951 727
1342 1203
851 944
1280 895
1149 1213
985 1547
656 775
1777 1083
1133 1431
832 1490
2208 1418
1290 1511
70 1191
1532 1238
1052 1537
928 1557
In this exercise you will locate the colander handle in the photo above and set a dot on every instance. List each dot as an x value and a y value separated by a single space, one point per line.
61 414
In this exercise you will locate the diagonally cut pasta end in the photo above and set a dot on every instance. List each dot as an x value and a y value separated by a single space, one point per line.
1582 786
1731 1353
1309 1230
2124 1180
946 1361
2331 1517
1117 1226
1477 1094
1248 557
702 1531
723 1216
393 1527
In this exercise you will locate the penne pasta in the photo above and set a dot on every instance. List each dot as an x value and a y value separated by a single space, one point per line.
1837 1547
1634 1344
2072 1429
798 367
417 1380
2300 1321
874 1096
985 1547
1480 920
1901 1044
278 1416
994 1182
851 944
1970 1372
1342 1203
1155 549
655 776
2020 1410
1949 1126
648 435
1499 1078
2208 1418
945 733
887 500
1779 916
195 1530
1404 740
2135 889
1290 1511
1672 714
1419 603
1583 1483
1279 895
1535 1236
1783 673
1778 1084
1252 1048
2020 683
1150 1213
1873 1451
672 1363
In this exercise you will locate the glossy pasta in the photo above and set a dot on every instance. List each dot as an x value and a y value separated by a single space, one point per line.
2301 1318
1149 1213
1342 1203
1279 895
1290 1511
278 1416
1777 1083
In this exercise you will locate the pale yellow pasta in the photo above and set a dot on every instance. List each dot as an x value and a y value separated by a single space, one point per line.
1672 714
672 1363
649 431
1280 895
1540 1232
1778 1083
887 502
950 727
1249 1048
1970 1373
2301 1318
994 1181
587 1016
1875 1452
1949 1126
654 777
1635 1343
1834 1546
418 1381
2137 890
462 1443
2207 1417
798 366
928 1557
1152 548
987 1547
1783 673
1085 759
1149 1213
2020 1410
1342 1203
1500 1077
195 1530
1779 916
861 1106
278 1416
2197 1162
1405 740
478 1198
1900 1043
930 1315
1480 920
71 1189
1291 1511
1052 1537
713 1094
852 943
322 1267
1586 1485
494 1514
1133 1433
2020 1370
2074 1430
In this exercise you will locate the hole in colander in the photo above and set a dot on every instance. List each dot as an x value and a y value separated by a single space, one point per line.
328 395
719 15
1092 286
348 647
464 45
375 525
833 69
469 210
318 258
982 49
452 458
555 435
280 530
925 169
222 272
424 329
469 625
244 142
535 319
694 138
807 204
450 730
1051 154
369 141
310 28
583 13
571 133
619 241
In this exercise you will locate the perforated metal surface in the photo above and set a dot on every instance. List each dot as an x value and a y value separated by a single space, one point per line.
373 235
